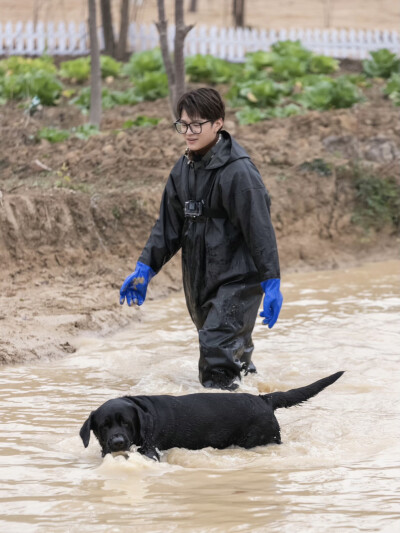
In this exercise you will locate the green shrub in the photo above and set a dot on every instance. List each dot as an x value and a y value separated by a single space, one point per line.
40 83
254 61
110 67
250 115
288 60
128 97
53 135
392 89
383 64
151 86
109 99
317 165
22 65
141 63
291 49
319 64
141 121
22 78
334 93
210 69
76 70
377 201
85 131
256 93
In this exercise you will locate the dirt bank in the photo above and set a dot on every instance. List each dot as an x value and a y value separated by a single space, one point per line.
75 215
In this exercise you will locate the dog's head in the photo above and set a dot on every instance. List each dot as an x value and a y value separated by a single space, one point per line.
116 425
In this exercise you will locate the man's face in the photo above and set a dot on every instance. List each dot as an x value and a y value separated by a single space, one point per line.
209 130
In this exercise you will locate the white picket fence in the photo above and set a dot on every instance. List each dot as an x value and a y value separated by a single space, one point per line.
226 43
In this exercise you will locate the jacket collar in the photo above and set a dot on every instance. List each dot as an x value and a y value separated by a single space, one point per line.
224 151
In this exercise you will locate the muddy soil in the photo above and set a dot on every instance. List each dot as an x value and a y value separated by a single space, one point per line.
75 215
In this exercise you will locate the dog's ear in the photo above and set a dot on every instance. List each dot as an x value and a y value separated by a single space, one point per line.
85 430
141 419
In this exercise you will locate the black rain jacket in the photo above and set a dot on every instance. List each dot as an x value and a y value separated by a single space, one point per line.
236 246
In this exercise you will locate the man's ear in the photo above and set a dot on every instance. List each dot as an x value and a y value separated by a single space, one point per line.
220 124
85 431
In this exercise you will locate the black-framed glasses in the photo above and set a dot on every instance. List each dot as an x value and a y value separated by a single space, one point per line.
195 127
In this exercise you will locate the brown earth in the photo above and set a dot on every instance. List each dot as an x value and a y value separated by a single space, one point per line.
75 215
359 14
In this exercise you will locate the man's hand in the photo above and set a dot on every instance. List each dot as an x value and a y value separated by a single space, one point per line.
272 301
134 287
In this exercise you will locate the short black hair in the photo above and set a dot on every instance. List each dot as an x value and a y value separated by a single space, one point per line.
202 103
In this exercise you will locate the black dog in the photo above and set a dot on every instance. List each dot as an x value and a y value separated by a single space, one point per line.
193 421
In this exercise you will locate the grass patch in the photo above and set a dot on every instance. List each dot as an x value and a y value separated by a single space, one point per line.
377 199
317 165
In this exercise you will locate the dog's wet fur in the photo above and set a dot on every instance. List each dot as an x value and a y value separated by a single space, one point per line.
192 421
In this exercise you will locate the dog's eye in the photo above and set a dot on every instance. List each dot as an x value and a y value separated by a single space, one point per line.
124 423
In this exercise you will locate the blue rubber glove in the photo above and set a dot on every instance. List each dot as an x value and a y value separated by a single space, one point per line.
134 287
272 301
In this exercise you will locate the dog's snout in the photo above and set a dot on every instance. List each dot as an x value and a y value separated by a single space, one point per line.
118 443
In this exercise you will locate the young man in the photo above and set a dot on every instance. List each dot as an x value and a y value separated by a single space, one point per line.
215 208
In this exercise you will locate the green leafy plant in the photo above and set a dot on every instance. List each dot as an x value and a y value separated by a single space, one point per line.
209 69
377 201
53 135
256 93
334 93
21 65
392 89
291 49
250 115
288 67
383 64
116 212
142 62
76 70
317 165
109 99
128 97
85 131
288 60
110 67
254 61
319 64
141 121
151 86
40 83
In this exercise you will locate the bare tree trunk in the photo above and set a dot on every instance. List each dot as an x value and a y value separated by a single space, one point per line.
327 13
95 76
162 26
238 13
193 6
179 57
108 31
175 71
123 31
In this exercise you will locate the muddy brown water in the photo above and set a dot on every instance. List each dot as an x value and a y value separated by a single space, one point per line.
338 468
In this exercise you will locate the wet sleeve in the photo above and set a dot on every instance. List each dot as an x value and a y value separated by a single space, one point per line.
247 202
165 238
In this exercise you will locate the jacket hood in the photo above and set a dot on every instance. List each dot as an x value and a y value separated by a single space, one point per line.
225 151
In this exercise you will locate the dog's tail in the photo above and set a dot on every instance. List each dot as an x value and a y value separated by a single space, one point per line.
296 396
